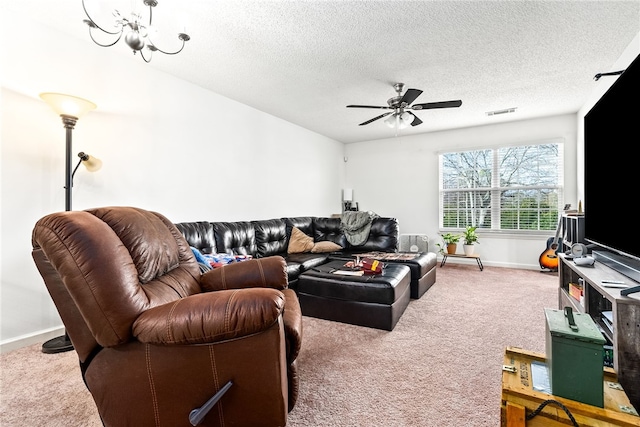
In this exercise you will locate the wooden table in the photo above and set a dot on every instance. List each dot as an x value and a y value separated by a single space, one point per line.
520 400
473 256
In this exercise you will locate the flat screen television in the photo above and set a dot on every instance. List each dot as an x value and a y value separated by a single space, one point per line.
612 173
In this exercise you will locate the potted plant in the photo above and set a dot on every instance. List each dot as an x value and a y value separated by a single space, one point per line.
470 238
450 242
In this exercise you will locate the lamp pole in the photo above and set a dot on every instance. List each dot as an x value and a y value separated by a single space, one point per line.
70 108
69 123
63 343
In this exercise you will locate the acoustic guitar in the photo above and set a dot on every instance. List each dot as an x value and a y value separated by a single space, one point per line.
549 258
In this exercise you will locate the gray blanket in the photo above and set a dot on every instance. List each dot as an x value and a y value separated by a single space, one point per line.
356 226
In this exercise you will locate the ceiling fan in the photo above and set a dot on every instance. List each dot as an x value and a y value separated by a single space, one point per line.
400 104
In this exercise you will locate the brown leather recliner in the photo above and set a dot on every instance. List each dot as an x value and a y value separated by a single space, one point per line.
156 339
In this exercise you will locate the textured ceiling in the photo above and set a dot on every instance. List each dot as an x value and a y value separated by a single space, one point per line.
304 61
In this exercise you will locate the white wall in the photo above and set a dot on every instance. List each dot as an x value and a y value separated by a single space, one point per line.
166 145
399 177
600 87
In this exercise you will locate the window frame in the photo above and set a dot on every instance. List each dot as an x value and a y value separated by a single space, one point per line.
496 190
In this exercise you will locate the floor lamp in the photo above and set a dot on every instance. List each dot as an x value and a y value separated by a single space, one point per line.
70 108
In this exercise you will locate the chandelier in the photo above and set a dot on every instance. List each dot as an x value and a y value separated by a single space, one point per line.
136 32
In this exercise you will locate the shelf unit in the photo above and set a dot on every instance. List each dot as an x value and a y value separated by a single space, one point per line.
572 231
623 330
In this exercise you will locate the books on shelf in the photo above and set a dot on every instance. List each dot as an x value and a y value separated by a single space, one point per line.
576 290
607 318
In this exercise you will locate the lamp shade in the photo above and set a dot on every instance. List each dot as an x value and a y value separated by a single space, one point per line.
68 105
93 164
391 121
347 195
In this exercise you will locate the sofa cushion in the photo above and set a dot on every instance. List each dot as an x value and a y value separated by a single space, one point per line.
325 246
299 242
382 237
271 237
303 223
307 261
329 229
199 235
237 237
293 269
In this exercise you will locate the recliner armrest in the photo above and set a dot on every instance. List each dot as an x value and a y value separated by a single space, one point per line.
292 324
269 272
210 317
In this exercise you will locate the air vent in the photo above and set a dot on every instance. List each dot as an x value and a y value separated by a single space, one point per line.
505 111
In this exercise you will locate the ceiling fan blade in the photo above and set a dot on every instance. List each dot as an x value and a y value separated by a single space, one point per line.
410 95
369 106
416 121
375 118
432 105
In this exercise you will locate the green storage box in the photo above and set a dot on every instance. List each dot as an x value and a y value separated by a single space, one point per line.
574 347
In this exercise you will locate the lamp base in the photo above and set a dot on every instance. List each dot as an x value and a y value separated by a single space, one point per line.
57 345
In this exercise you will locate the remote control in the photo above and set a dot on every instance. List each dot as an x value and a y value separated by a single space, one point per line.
614 285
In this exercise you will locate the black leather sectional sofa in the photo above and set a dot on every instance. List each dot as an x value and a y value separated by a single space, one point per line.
263 238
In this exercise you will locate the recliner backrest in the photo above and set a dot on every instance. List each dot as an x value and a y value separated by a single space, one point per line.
116 263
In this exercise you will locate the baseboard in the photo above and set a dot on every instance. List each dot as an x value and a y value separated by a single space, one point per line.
472 261
29 339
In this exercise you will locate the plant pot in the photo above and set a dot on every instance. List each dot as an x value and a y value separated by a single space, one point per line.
451 248
468 249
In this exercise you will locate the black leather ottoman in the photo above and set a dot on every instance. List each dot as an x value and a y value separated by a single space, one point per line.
422 265
423 272
373 301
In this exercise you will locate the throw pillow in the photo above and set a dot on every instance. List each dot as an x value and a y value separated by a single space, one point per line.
299 242
325 246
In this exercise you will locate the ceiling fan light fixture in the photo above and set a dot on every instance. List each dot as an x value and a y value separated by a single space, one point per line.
406 118
391 121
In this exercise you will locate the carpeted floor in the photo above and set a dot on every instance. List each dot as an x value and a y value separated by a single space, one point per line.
440 366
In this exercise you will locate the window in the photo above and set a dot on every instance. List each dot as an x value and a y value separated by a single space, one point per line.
506 188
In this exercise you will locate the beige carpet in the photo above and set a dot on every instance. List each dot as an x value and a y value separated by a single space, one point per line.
440 366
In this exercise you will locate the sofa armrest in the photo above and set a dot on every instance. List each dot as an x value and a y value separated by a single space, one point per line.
210 317
269 272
